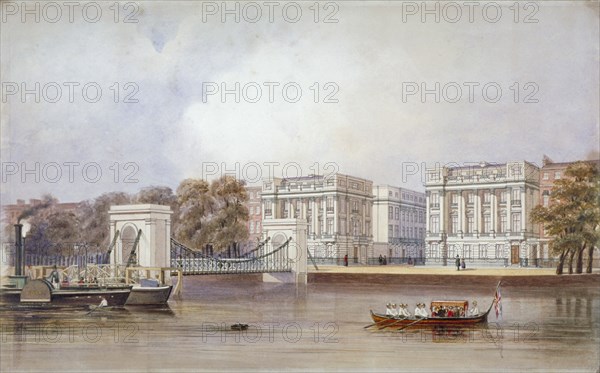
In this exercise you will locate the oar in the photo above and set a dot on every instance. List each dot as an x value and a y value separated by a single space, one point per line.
394 323
412 323
375 323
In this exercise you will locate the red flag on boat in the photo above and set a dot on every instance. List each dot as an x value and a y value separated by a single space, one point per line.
497 304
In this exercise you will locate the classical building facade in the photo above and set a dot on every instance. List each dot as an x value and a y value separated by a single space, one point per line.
481 212
398 223
338 209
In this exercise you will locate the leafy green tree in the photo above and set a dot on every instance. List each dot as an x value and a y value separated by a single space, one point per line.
212 213
572 217
196 206
94 219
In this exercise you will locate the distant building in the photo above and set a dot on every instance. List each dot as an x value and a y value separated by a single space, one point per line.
398 223
338 210
14 211
482 213
254 206
549 173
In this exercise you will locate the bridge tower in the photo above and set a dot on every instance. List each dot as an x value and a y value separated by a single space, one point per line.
152 223
280 230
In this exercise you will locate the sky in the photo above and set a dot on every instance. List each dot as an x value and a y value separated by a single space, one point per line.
162 67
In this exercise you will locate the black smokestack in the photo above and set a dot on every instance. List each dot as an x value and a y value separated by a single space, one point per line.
19 251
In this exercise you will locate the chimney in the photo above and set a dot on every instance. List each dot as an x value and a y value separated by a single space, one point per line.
19 251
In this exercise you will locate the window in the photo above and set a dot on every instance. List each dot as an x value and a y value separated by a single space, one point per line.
516 194
367 210
390 231
470 224
268 207
487 197
390 212
471 198
516 222
434 225
502 221
545 176
329 204
546 200
557 175
467 251
390 193
309 229
498 251
482 251
487 223
454 227
329 226
397 213
343 226
355 227
355 207
343 207
454 198
368 228
403 231
434 200
395 231
503 196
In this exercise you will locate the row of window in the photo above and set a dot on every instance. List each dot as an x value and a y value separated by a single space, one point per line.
356 228
254 210
328 203
434 198
407 216
394 231
546 175
469 251
255 227
434 224
407 196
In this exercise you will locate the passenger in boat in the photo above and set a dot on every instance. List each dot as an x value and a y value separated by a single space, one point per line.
103 303
434 311
462 312
442 311
450 312
80 282
474 311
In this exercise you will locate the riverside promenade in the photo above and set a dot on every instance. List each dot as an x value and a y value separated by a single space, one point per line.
437 275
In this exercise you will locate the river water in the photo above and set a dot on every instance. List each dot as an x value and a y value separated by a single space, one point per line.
308 328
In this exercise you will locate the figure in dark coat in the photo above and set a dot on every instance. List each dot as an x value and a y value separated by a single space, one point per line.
457 261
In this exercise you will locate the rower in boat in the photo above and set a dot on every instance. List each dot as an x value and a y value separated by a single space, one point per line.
388 310
421 311
474 311
403 311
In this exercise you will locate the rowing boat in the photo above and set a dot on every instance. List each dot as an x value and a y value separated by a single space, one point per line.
387 321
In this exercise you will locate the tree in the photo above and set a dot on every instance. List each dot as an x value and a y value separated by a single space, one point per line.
572 217
212 214
196 206
230 222
94 219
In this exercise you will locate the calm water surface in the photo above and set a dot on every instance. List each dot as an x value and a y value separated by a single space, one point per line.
314 327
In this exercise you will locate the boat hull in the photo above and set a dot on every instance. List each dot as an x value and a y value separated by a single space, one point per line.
394 323
149 295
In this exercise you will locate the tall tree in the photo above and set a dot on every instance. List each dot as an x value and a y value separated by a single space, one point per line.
212 214
196 207
230 222
572 217
94 218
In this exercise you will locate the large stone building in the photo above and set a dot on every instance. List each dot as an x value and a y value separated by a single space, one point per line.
481 213
338 209
398 223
